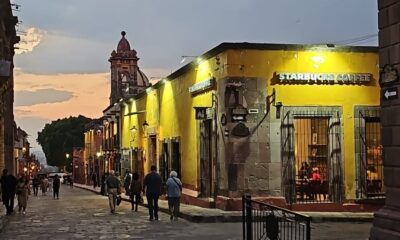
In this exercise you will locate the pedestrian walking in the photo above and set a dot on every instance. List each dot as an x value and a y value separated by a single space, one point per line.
103 184
35 185
22 194
127 182
94 180
8 187
71 182
113 186
136 190
152 188
56 187
174 189
44 185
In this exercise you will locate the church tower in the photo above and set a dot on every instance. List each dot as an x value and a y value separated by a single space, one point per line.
126 78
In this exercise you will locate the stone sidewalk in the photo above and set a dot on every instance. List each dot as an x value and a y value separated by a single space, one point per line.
198 214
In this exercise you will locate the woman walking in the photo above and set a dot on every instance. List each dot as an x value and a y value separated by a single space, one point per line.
174 189
135 190
22 192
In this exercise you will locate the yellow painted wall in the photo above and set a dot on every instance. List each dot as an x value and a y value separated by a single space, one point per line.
266 63
176 116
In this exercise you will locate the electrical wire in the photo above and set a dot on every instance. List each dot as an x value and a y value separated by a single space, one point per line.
355 40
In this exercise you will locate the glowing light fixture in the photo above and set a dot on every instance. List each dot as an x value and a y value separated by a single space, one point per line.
133 129
318 59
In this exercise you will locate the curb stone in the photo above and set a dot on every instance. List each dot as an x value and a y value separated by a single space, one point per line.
226 216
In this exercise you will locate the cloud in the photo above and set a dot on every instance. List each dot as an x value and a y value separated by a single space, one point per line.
61 95
49 95
29 40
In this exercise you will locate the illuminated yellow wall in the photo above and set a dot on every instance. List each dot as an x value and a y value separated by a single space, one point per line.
174 119
169 108
257 63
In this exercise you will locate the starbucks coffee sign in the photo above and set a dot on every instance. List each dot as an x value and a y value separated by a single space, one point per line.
324 78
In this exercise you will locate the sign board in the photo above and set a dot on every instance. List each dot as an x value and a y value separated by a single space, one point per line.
324 78
202 86
388 75
390 93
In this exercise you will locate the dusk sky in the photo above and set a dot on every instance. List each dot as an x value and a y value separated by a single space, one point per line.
62 68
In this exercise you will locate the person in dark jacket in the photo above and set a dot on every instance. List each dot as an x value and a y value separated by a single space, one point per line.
94 179
8 187
56 187
152 188
35 185
127 182
113 185
136 190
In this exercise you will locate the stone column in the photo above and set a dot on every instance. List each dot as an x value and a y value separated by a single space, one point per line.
386 224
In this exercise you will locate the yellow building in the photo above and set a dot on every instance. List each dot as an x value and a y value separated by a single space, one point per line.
94 165
244 117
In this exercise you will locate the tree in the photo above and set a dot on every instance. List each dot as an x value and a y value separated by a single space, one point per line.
59 137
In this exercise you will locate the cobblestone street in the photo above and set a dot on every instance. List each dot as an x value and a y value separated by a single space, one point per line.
80 214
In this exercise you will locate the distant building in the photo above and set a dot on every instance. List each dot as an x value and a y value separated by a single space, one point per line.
8 38
21 151
93 156
127 81
126 78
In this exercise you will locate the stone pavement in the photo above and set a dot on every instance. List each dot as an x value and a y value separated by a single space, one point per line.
198 214
80 214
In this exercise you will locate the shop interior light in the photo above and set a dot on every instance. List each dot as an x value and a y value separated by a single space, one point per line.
199 60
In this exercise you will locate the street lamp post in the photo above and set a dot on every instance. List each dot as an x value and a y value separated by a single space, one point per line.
98 154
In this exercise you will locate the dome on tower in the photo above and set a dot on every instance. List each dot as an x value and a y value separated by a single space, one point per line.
123 45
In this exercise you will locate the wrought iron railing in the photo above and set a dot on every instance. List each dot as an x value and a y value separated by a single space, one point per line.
265 221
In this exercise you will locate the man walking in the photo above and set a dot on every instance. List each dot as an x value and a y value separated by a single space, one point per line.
152 188
56 186
127 182
8 187
113 186
94 179
35 185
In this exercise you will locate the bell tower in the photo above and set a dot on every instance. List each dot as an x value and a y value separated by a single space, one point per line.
126 78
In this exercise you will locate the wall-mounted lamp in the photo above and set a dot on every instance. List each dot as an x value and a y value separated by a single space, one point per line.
133 129
278 106
145 125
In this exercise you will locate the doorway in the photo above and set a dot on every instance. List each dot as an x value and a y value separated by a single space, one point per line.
176 157
205 159
153 150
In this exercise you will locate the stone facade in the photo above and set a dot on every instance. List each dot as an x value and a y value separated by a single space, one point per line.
246 158
8 38
386 221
